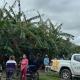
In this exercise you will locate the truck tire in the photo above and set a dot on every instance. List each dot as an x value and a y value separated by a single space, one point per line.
65 74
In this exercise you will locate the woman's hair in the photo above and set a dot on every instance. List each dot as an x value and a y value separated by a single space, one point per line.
24 56
11 57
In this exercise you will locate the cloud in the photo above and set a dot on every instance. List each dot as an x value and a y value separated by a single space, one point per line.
77 40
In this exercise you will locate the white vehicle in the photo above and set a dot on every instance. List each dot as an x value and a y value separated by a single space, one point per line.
67 68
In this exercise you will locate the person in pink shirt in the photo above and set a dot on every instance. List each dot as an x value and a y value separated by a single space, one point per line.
24 64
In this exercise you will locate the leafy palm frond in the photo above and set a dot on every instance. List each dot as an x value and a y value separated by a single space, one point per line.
67 35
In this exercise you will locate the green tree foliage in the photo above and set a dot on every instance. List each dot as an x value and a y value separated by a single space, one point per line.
17 34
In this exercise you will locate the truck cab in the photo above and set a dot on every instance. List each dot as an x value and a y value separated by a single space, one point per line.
75 64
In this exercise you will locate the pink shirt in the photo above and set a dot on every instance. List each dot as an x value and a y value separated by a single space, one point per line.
24 64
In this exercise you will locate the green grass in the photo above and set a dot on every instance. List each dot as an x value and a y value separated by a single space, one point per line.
48 76
43 76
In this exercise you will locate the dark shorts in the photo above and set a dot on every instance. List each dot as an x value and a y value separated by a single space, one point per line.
10 73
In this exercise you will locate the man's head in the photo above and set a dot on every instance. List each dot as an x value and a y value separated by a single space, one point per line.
46 55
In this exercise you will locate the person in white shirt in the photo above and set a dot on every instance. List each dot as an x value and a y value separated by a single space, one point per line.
10 67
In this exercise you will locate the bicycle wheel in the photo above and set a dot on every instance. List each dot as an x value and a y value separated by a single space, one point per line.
18 74
36 76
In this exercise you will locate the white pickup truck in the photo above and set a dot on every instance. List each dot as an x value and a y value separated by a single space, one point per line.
67 68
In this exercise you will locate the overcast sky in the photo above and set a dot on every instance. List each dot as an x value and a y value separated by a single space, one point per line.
60 11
